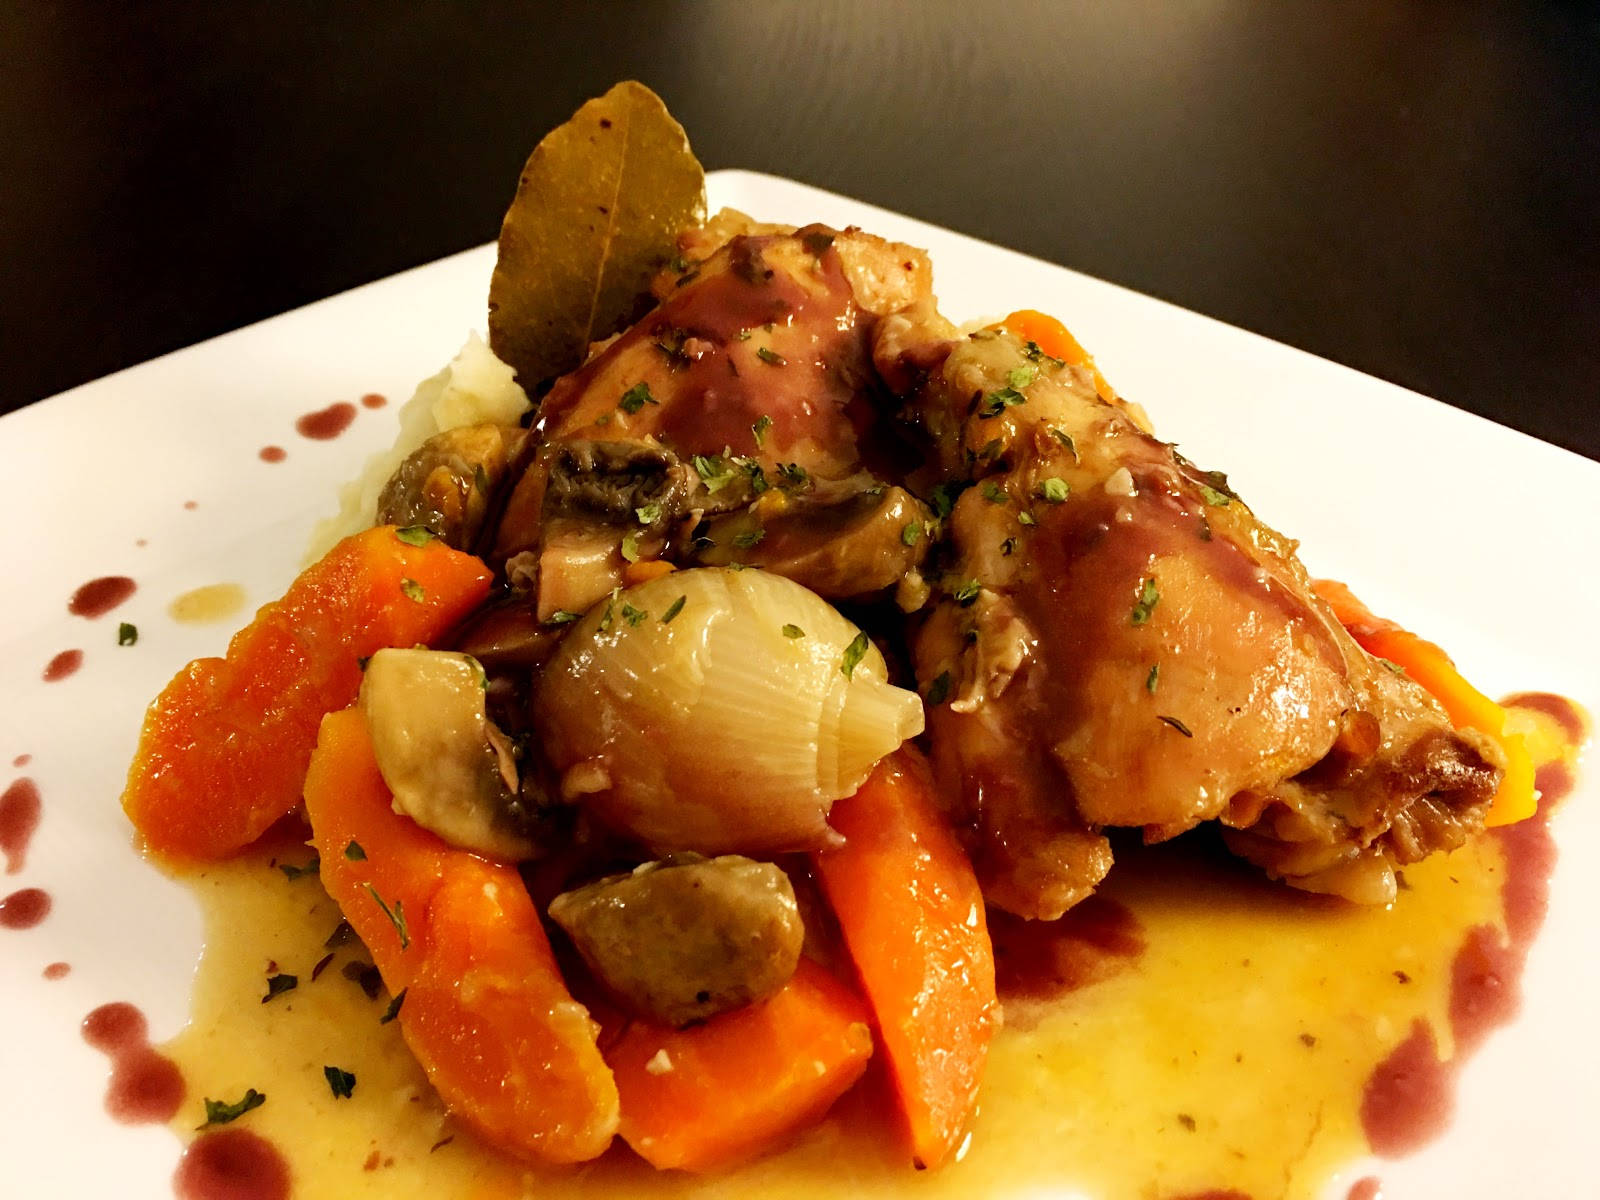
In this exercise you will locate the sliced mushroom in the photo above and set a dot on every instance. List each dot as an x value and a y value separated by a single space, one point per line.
838 548
688 937
447 484
450 769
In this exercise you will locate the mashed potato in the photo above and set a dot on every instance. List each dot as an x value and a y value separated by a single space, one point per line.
476 387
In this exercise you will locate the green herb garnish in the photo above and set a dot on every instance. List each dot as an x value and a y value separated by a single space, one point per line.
910 532
853 654
278 984
1213 497
413 590
994 494
636 398
416 535
340 1082
1153 678
354 852
673 610
220 1112
1054 490
966 592
290 871
793 631
1149 597
771 357
997 401
630 547
748 538
713 470
127 634
396 915
759 429
633 616
939 689
393 1010
1176 724
1065 439
1021 377
648 514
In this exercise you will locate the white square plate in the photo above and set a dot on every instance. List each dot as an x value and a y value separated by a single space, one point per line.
1484 539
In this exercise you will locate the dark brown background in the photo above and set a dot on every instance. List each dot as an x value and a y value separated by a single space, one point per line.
1412 189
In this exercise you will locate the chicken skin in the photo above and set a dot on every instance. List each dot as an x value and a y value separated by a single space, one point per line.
1118 641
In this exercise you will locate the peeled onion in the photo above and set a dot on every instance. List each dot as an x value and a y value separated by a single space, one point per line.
715 730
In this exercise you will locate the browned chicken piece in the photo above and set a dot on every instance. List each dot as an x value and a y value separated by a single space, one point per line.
688 937
1120 642
737 422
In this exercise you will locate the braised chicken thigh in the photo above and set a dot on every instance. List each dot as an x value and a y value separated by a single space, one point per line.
1118 641
734 424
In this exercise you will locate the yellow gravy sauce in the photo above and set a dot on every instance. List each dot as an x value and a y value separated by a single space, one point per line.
1228 1055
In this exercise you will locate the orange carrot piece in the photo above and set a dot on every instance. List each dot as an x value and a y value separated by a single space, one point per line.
912 915
711 1095
224 748
1465 705
1051 336
485 1010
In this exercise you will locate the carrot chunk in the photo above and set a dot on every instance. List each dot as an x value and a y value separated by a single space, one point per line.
912 915
711 1095
224 748
1465 705
485 1010
1052 337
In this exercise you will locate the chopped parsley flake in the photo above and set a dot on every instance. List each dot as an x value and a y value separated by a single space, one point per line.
758 478
278 984
630 547
1026 518
480 477
771 357
853 654
793 631
1153 678
1035 353
609 614
748 538
1213 497
713 470
648 514
939 689
966 592
793 477
1054 490
393 1010
562 616
673 609
412 589
127 634
1008 547
759 429
416 535
290 871
1176 724
636 398
396 915
1391 665
994 494
910 533
220 1112
997 401
1021 377
354 852
633 616
1065 439
1149 597
945 495
341 1082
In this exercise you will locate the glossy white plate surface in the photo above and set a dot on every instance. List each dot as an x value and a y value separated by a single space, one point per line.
1484 539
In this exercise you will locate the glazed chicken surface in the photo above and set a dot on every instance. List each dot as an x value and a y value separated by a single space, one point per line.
1118 641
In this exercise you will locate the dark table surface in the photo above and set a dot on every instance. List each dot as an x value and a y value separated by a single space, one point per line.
1412 189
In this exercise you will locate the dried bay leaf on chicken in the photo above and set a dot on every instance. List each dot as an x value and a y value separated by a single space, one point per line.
597 209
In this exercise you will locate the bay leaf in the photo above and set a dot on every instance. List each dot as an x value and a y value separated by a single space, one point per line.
596 214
